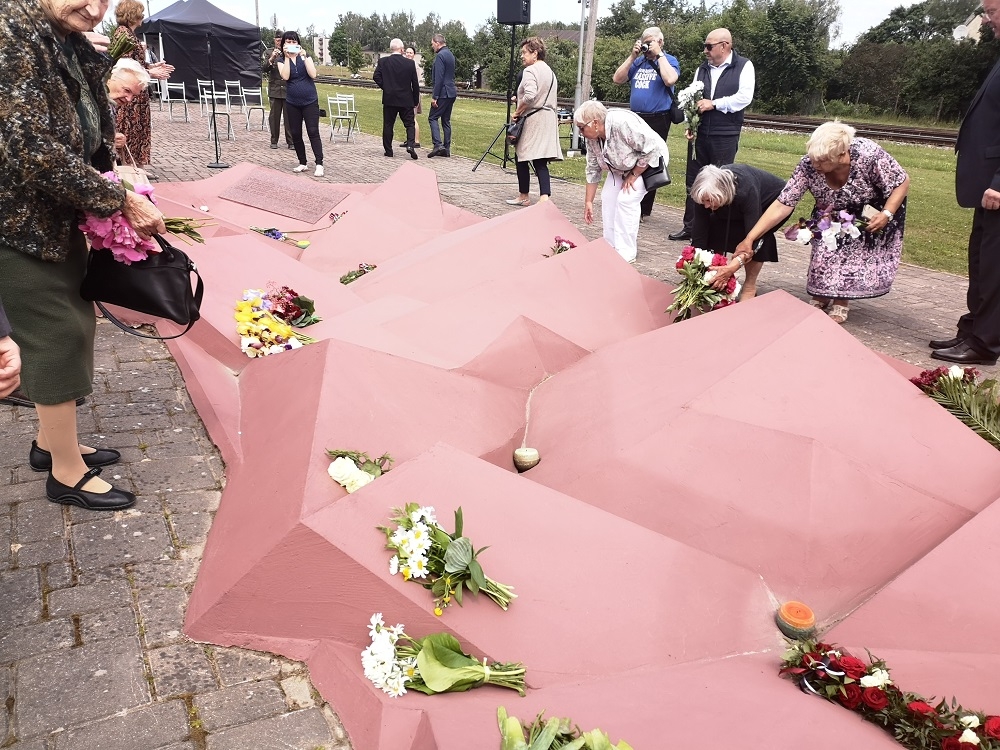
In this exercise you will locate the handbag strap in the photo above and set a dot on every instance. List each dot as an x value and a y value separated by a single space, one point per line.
545 99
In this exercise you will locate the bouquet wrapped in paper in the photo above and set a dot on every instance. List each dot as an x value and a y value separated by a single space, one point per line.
695 292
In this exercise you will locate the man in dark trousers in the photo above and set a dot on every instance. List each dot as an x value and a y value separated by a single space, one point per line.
729 81
977 185
277 88
397 77
442 97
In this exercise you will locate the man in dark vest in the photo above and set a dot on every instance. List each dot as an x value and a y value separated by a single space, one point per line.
729 81
977 185
277 88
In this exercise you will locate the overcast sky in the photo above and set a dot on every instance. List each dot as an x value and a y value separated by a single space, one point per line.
856 15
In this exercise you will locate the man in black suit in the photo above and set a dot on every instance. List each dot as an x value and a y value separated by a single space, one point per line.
730 80
977 185
397 77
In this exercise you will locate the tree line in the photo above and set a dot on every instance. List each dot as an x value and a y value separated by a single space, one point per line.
907 66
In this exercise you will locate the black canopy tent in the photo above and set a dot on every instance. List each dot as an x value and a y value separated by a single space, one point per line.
185 30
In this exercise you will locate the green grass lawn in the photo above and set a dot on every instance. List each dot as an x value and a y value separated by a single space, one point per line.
937 230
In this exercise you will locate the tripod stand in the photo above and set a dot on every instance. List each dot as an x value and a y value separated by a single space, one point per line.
217 164
503 131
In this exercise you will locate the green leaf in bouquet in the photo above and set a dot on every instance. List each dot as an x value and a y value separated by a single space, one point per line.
458 522
445 668
511 732
476 571
472 585
441 537
458 555
458 594
440 587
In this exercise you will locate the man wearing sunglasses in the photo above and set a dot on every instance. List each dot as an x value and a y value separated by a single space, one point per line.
729 80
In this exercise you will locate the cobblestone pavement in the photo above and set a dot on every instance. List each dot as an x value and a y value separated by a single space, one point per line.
91 605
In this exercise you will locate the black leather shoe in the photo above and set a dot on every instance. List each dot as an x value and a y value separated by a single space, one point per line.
113 499
444 152
964 354
682 234
17 398
412 153
434 152
389 154
946 343
403 145
41 460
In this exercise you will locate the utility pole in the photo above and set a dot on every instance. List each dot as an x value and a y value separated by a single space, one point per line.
588 52
578 97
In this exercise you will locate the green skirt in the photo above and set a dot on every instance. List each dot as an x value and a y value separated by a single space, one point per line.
51 322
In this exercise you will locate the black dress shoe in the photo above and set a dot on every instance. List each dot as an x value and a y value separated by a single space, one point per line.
412 153
444 152
403 145
433 152
17 398
389 154
113 499
682 234
291 146
964 354
946 343
40 459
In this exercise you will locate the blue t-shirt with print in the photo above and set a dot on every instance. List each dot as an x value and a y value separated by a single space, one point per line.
649 92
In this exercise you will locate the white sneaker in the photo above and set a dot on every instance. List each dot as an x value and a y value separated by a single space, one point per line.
300 168
319 170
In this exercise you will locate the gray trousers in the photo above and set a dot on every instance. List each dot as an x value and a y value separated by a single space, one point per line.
274 121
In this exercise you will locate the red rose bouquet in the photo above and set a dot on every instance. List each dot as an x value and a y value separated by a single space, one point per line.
695 292
974 403
867 689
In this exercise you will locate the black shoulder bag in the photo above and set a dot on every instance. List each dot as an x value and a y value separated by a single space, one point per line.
159 286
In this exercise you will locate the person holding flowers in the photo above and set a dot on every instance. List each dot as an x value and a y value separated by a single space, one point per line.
853 180
57 131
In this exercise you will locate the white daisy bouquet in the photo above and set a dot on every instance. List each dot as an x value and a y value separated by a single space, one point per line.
688 99
442 562
352 470
395 662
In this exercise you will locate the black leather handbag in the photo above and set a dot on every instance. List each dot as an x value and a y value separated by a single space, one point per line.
656 177
159 285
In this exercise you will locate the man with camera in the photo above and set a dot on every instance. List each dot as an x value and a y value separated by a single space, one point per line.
651 74
277 90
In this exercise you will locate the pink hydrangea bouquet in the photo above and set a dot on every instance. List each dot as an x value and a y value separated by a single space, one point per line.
695 292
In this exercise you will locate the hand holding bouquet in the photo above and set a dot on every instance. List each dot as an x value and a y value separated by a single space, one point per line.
695 292
688 101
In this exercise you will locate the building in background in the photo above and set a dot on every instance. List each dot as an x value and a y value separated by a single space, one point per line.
321 50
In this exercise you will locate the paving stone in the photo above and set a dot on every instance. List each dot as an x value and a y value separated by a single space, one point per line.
181 669
336 726
140 729
112 623
175 474
6 681
298 691
303 730
178 746
191 528
21 595
29 489
35 522
162 612
199 501
164 573
117 541
86 598
64 688
37 744
39 553
240 704
146 504
238 665
29 640
6 537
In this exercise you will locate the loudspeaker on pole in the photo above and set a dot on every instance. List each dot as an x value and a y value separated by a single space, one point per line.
514 12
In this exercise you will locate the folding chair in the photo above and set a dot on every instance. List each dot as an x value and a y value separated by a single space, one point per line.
257 94
206 93
156 89
172 90
335 105
234 93
351 110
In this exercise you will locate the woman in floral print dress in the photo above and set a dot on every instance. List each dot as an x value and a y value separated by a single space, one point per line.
133 119
845 173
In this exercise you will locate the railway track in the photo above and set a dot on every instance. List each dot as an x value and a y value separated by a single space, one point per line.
926 136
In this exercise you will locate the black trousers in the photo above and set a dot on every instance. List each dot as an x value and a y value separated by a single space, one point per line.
981 325
660 123
541 167
274 121
389 122
708 149
294 117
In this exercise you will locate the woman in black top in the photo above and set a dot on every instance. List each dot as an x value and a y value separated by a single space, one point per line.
301 100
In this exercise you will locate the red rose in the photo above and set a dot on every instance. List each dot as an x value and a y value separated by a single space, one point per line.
723 303
951 743
992 727
680 263
850 696
874 698
811 659
688 253
731 284
719 260
852 666
921 708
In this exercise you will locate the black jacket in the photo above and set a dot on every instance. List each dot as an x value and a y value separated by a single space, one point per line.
397 77
978 144
714 122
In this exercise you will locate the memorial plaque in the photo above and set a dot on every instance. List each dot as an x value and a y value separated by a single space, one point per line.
285 195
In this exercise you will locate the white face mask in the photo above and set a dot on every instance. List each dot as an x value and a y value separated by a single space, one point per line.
292 48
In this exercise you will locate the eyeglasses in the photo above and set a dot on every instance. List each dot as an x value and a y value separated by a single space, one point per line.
710 47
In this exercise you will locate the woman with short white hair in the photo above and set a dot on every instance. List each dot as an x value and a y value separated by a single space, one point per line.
850 178
621 144
128 80
729 201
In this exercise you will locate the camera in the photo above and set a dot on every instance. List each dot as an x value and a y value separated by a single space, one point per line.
644 47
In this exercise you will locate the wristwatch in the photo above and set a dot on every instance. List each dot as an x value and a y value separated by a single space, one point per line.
888 213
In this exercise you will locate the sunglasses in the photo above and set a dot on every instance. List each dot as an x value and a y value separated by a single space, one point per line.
710 47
